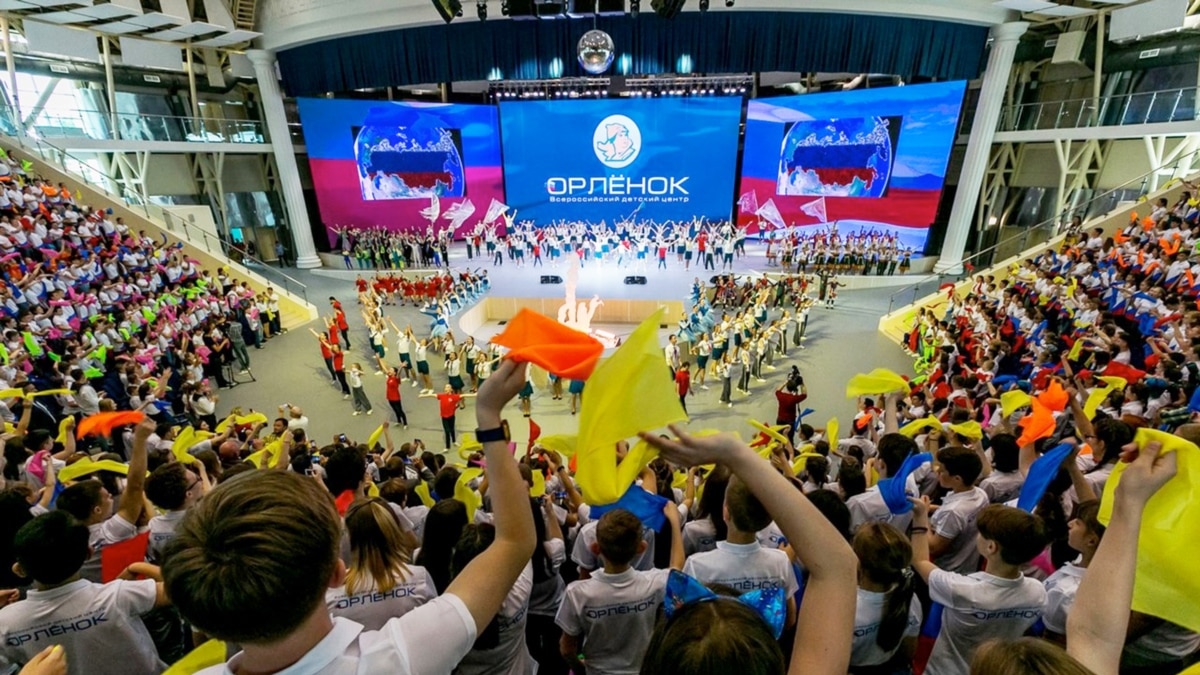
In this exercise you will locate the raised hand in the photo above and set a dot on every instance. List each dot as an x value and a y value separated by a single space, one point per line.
689 450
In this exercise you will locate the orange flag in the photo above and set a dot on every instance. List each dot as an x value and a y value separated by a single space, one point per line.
102 424
542 341
1038 424
1055 398
1148 223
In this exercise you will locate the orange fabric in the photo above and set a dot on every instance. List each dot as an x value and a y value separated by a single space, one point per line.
1036 425
1167 246
1191 278
1120 238
1055 398
1133 217
562 351
1148 223
1154 264
102 424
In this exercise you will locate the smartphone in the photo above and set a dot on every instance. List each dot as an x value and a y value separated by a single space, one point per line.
342 438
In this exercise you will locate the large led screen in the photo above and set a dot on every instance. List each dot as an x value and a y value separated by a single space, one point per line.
656 159
402 165
860 161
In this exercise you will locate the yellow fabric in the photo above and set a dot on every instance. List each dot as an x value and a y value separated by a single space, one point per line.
270 453
878 381
801 461
563 444
464 493
1012 401
61 438
1165 585
86 466
772 432
915 427
831 432
422 490
252 418
1100 394
372 490
970 430
539 485
375 436
1076 350
207 655
631 391
179 447
9 393
679 480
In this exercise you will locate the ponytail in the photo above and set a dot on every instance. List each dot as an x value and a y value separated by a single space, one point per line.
895 613
884 554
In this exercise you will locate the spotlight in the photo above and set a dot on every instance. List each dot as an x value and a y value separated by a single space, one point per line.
729 3
635 6
481 9
703 5
448 9
504 7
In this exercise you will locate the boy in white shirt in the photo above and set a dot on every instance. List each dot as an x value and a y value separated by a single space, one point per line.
256 555
608 618
999 603
869 506
98 625
952 534
739 561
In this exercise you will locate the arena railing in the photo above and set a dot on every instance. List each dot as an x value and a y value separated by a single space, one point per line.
1151 107
104 126
1098 206
211 242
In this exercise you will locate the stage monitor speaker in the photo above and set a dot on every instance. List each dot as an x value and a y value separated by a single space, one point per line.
448 9
635 281
551 279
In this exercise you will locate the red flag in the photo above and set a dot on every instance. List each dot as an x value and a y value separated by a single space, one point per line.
1124 371
535 432
114 558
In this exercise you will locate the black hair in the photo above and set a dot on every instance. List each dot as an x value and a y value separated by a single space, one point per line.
52 547
475 539
443 525
344 470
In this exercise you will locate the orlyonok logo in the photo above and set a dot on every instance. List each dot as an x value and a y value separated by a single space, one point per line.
617 141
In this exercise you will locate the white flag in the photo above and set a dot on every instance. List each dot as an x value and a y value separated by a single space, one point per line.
494 211
770 213
434 209
458 213
748 202
816 209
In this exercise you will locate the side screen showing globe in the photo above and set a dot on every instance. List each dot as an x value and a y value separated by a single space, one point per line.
848 157
414 162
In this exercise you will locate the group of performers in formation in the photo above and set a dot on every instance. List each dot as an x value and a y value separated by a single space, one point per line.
637 246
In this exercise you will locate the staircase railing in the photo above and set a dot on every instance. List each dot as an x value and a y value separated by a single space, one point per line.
1096 206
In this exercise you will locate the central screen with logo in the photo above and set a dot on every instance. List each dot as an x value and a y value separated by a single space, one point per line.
610 160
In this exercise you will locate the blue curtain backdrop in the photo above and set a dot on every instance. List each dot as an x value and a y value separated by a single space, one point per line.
725 42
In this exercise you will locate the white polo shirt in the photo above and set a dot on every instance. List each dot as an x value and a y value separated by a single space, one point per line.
1001 486
1060 595
511 656
979 607
615 614
111 531
955 520
162 531
869 507
430 639
582 554
373 608
99 626
868 614
743 567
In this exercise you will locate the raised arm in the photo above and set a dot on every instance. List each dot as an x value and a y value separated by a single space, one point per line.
826 618
485 582
130 506
1097 622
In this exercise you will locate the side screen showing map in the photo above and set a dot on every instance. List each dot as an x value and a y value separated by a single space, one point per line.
402 165
607 161
864 160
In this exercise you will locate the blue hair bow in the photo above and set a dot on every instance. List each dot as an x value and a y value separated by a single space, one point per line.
768 603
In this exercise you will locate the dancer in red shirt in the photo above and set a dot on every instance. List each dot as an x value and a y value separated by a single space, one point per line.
448 404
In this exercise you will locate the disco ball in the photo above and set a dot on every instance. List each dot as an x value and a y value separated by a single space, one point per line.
596 51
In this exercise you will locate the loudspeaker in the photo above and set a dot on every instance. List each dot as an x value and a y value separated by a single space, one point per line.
551 279
667 9
448 9
635 281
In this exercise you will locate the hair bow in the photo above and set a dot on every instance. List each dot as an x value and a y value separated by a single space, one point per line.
768 603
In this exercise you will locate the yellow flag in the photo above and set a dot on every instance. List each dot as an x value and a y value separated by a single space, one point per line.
86 466
183 441
563 444
1012 401
629 392
802 461
970 430
878 381
1100 394
207 655
831 433
915 427
422 490
772 432
62 430
539 485
1165 585
375 436
252 418
464 493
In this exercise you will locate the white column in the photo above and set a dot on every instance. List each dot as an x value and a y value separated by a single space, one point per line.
285 158
979 148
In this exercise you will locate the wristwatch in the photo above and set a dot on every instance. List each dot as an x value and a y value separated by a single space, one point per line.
500 433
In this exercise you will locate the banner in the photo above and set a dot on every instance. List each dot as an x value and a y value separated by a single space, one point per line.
380 163
458 213
880 171
603 160
770 213
748 203
494 211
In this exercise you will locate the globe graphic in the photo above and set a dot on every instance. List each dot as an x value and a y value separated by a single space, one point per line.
596 50
407 153
837 157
